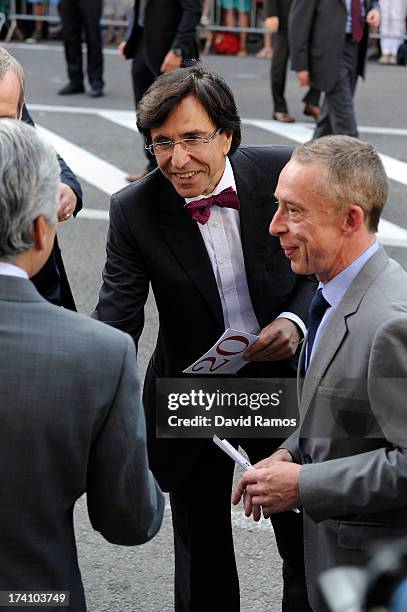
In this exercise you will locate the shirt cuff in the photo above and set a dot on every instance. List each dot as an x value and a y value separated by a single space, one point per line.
293 317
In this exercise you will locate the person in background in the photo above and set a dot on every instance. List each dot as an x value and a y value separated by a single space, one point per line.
70 423
392 29
80 16
237 13
328 42
159 41
51 281
277 13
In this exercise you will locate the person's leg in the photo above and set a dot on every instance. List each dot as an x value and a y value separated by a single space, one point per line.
279 71
142 78
205 568
338 104
289 537
72 33
91 15
244 22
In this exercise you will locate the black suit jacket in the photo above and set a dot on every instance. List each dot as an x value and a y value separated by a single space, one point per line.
51 281
280 9
317 35
168 24
152 240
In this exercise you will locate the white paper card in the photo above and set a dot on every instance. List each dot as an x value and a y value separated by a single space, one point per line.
226 355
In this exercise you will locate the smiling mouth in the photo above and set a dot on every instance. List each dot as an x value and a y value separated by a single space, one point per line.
185 175
288 250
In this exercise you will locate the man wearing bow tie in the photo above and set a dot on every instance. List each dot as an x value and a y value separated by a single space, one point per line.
197 229
328 42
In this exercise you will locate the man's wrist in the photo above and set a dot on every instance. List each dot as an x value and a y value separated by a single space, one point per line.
177 51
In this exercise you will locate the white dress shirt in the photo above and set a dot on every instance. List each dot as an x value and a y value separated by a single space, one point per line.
7 269
335 289
222 238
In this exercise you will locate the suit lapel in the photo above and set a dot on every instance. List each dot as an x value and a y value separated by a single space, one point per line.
184 238
336 329
255 219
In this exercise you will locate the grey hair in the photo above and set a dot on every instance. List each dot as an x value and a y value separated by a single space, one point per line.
7 63
354 173
29 179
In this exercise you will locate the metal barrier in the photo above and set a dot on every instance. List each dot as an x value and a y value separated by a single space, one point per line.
24 10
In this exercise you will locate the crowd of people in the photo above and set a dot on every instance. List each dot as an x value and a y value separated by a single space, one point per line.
327 304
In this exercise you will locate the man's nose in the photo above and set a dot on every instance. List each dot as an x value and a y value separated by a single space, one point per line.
278 225
179 156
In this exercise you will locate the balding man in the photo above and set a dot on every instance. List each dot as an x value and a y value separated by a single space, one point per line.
51 281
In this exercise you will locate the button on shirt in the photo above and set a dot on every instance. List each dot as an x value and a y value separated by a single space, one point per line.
335 289
222 238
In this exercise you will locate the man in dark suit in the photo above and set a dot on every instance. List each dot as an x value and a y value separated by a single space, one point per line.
347 462
207 274
277 13
51 281
59 439
161 37
78 16
328 41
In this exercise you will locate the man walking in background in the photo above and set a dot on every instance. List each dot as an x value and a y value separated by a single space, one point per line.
71 418
328 42
161 37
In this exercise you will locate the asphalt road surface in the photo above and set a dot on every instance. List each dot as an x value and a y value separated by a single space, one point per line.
98 140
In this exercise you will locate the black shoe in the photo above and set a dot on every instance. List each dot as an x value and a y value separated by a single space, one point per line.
71 88
96 92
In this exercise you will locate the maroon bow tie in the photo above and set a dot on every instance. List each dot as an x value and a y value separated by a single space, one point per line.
200 210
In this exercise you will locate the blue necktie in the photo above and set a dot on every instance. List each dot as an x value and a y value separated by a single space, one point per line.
316 311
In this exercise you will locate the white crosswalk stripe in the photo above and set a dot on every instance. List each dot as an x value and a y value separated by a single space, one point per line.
108 178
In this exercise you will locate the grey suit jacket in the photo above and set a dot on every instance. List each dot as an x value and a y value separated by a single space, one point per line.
317 35
352 440
71 423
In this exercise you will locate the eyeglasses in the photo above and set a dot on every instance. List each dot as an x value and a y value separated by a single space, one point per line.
189 144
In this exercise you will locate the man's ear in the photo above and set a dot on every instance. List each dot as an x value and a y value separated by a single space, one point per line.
354 219
41 234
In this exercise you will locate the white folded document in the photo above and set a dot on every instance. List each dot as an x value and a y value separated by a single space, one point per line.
226 355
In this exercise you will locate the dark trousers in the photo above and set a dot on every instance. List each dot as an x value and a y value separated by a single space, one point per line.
76 16
142 77
338 113
279 62
204 554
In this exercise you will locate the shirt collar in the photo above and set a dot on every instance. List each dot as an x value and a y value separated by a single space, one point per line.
335 289
7 269
227 180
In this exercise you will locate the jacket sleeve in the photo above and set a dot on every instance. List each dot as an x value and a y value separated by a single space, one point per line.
125 281
125 503
301 24
272 8
67 176
186 32
376 480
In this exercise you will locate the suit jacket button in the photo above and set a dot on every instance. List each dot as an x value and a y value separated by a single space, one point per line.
306 459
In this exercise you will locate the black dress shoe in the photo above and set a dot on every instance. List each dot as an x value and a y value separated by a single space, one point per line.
96 92
312 111
284 117
71 88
